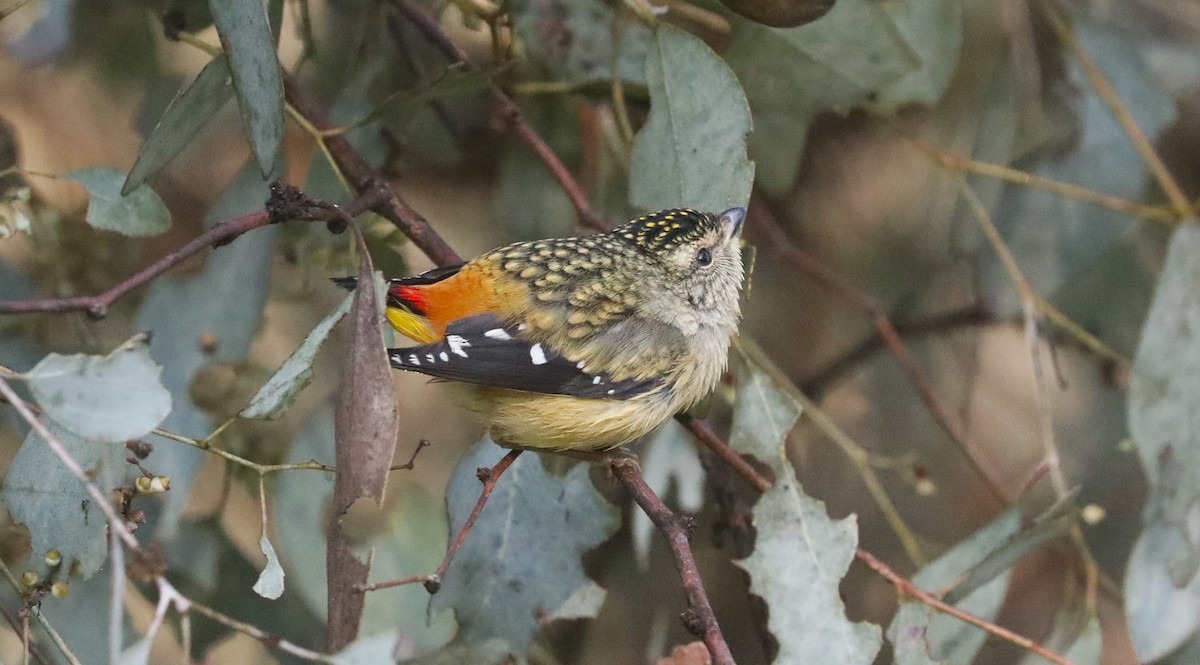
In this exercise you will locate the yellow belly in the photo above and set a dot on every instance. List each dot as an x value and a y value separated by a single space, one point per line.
560 422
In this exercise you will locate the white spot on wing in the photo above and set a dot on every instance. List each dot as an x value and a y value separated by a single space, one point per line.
397 358
457 344
412 358
429 357
612 391
596 381
497 333
444 356
537 355
581 364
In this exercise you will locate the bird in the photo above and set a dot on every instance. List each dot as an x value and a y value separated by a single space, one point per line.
580 344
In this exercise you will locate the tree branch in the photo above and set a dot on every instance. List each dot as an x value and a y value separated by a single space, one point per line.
699 619
221 234
433 582
825 277
906 588
510 112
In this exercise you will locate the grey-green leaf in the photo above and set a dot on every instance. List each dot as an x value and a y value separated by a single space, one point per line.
800 554
522 559
669 459
692 150
1162 582
140 213
762 417
187 114
918 634
837 63
270 580
799 560
222 304
106 398
295 373
933 29
246 35
491 652
43 495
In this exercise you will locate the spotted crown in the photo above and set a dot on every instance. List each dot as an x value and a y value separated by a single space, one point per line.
664 229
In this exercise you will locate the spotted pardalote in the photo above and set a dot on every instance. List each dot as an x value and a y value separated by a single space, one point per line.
580 343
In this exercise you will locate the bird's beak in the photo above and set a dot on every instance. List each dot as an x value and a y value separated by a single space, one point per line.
731 222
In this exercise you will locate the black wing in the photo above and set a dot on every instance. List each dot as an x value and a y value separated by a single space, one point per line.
427 277
480 349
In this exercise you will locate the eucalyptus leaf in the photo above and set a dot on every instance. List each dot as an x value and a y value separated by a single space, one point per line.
209 316
294 375
413 544
919 635
246 35
366 419
577 40
1080 253
522 559
933 29
692 150
669 460
270 580
140 213
105 398
800 554
799 559
1162 581
490 652
56 508
834 64
187 114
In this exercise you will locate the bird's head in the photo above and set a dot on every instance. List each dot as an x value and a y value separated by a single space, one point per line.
700 254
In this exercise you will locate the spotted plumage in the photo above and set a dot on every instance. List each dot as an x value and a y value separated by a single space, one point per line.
580 343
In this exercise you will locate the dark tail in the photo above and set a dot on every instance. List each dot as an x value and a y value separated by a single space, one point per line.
348 283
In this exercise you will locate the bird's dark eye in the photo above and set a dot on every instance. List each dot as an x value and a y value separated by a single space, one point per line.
704 257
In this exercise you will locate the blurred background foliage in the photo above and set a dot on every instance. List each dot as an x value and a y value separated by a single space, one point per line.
865 122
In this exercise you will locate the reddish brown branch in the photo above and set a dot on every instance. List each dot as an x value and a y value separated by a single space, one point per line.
433 582
705 435
510 112
906 588
699 619
971 316
221 234
364 179
778 241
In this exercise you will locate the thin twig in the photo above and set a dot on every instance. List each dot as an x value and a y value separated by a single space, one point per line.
118 527
858 456
224 232
1158 214
433 582
824 276
970 316
116 522
19 628
700 618
510 112
1179 201
349 163
705 434
268 639
906 588
1032 306
116 605
205 444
